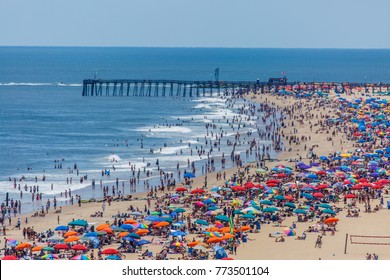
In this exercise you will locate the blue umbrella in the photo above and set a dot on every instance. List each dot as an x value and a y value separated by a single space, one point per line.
113 258
62 228
270 209
91 234
189 175
201 222
266 202
290 204
128 238
127 226
143 242
81 223
178 233
222 218
312 176
133 235
307 195
248 216
154 219
324 205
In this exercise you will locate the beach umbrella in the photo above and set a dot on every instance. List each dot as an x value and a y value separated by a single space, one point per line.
211 213
79 247
142 242
290 204
248 216
179 210
161 224
81 257
270 209
238 189
61 246
211 208
130 222
133 235
9 258
189 175
142 232
82 223
127 226
178 233
266 202
201 222
181 189
36 248
318 195
222 218
328 211
71 239
110 251
70 233
154 219
350 195
197 191
331 220
227 236
213 240
91 234
325 205
49 257
48 248
279 197
113 258
22 246
307 196
289 232
300 211
245 228
62 228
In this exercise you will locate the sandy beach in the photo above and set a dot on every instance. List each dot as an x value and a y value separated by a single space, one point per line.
312 139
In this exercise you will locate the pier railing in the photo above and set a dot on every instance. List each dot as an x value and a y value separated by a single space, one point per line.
186 88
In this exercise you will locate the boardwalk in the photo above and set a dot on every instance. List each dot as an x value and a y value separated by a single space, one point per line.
183 88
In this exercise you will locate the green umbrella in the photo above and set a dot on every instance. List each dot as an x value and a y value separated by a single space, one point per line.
329 211
179 210
133 235
155 213
290 204
266 202
270 209
279 197
201 222
248 216
300 211
168 219
81 223
48 248
238 212
101 232
222 218
324 205
211 208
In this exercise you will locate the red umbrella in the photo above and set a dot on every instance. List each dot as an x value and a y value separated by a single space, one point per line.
110 251
377 187
273 181
259 186
271 184
197 191
363 180
350 195
238 189
249 185
61 246
227 259
366 184
181 189
10 258
281 175
79 247
288 197
318 195
357 187
321 172
347 182
384 181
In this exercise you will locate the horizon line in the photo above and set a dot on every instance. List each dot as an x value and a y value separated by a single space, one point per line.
188 47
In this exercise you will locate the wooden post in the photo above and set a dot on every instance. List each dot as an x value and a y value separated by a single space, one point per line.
346 243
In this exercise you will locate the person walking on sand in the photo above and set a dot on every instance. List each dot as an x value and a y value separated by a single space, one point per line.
103 206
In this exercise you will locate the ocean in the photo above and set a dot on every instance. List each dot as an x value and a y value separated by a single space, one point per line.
45 121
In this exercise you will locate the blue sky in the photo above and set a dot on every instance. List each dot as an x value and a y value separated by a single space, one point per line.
196 23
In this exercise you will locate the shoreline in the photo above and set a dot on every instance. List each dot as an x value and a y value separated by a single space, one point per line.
332 250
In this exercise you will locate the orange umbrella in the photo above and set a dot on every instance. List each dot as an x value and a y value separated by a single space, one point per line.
101 227
22 246
108 230
213 240
142 231
226 230
212 229
192 244
70 233
72 238
130 222
37 248
161 224
245 228
331 220
123 234
227 236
